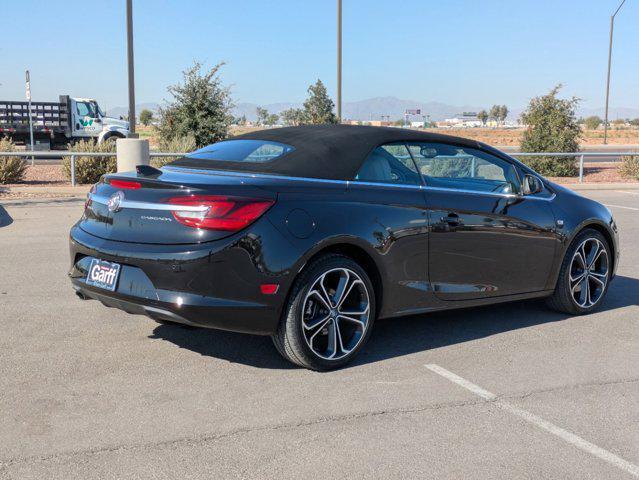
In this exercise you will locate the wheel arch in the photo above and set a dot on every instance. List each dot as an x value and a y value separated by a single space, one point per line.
357 253
106 135
607 234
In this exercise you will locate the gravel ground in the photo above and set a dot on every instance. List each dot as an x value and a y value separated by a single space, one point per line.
597 173
43 175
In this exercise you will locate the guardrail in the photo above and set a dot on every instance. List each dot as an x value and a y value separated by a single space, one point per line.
581 155
74 155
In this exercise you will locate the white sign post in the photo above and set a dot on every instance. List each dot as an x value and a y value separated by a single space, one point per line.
28 87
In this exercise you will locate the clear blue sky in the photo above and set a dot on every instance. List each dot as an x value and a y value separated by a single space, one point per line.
454 51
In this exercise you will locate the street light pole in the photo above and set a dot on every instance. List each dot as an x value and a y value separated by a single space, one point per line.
612 26
129 45
339 61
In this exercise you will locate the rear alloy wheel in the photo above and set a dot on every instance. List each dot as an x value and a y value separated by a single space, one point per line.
585 273
329 315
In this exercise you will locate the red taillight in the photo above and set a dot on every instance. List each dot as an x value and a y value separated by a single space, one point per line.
216 212
125 184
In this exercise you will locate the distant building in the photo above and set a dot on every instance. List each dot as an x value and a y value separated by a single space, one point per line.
372 123
462 120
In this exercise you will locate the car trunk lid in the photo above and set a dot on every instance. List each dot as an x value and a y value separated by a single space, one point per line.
172 208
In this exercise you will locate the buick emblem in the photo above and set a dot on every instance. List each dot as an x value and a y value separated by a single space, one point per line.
114 202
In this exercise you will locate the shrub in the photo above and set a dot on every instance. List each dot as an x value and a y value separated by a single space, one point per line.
12 169
552 127
90 169
176 144
553 166
146 117
592 123
630 166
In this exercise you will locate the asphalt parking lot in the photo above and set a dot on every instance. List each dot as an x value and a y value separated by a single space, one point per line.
510 391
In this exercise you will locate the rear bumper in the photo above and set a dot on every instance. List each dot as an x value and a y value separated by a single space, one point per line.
211 286
255 319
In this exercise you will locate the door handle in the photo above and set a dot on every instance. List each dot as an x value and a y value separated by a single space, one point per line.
452 219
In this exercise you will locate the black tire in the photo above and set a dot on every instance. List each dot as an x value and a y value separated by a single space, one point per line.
562 299
112 137
290 339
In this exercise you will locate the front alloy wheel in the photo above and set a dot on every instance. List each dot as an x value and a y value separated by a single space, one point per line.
584 274
329 315
589 273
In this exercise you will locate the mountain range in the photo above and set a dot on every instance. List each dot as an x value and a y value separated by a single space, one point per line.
393 107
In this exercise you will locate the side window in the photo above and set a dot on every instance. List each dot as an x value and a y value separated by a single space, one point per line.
83 109
456 167
390 163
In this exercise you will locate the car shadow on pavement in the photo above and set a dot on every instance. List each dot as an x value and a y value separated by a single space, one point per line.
253 350
5 218
397 337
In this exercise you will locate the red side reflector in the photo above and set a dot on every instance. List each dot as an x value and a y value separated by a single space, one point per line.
269 288
125 184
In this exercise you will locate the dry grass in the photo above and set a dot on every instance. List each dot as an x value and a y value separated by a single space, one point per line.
492 136
512 137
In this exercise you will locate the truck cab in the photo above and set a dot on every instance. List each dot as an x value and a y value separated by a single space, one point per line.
89 121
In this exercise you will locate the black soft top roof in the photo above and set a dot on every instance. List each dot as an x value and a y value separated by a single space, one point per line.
333 152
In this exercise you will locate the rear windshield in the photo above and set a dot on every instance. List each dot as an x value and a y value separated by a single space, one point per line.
244 151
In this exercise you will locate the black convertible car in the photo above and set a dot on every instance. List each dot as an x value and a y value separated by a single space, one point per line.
308 234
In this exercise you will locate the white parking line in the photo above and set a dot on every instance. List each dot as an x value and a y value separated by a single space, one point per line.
620 206
626 191
565 435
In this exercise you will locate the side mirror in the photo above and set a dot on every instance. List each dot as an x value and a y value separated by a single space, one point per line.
532 185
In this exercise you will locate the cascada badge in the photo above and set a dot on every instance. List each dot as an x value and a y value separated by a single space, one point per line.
103 274
115 201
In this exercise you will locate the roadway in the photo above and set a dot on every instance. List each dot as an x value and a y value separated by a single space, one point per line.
509 391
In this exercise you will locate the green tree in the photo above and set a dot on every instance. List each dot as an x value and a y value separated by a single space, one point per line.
293 116
503 113
146 117
494 113
318 107
551 127
201 107
483 117
262 115
634 122
592 123
239 120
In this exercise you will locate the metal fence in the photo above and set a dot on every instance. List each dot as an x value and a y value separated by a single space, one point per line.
56 155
